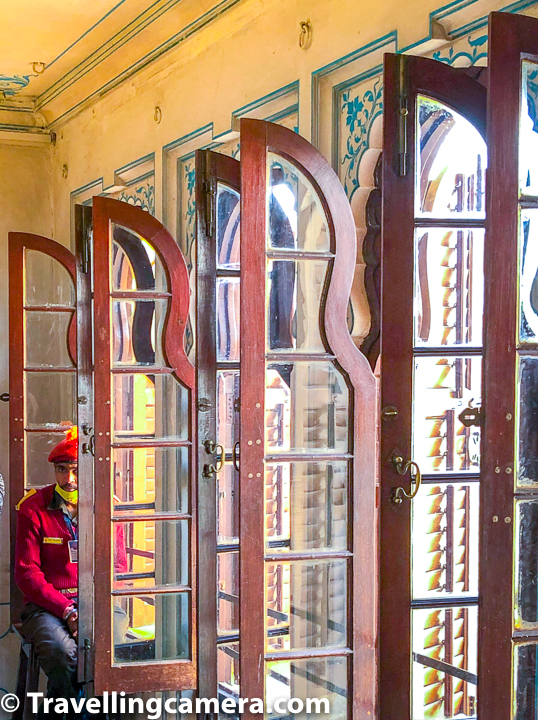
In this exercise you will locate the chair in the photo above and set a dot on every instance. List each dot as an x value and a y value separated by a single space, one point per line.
28 675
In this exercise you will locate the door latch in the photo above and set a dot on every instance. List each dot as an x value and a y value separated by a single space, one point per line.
471 416
213 448
402 467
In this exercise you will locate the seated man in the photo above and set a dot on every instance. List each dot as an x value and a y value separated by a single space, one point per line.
46 571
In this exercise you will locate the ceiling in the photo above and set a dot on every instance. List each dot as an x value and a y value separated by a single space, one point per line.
54 62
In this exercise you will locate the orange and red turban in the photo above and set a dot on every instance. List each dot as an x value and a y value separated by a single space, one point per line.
67 449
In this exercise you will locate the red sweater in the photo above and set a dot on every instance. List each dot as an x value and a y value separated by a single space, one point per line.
43 570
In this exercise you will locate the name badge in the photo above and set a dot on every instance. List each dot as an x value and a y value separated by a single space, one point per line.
52 541
73 551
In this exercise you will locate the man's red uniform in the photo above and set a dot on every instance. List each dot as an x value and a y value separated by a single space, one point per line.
43 571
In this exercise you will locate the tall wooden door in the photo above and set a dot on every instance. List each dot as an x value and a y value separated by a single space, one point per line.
432 341
307 618
42 364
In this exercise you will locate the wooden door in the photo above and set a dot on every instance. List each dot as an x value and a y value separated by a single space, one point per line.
434 217
218 370
307 436
145 593
42 365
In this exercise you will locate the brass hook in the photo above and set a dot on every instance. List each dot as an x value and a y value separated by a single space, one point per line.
402 468
213 448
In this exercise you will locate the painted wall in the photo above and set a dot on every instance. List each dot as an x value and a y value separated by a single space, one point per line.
25 205
248 62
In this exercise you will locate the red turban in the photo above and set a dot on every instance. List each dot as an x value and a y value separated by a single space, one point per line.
67 449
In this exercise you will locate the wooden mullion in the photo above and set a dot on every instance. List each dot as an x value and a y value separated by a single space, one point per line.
252 420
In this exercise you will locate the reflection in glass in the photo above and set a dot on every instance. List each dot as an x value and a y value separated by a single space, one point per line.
228 505
228 299
228 669
135 264
296 219
228 228
50 398
306 407
149 407
306 604
526 688
452 163
443 387
228 592
150 552
526 585
528 286
37 448
294 304
47 281
157 627
313 680
227 409
150 479
46 335
445 540
449 287
449 635
528 131
306 505
527 454
137 327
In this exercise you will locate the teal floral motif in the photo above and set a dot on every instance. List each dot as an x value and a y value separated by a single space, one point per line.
532 97
189 217
142 196
359 112
472 55
10 85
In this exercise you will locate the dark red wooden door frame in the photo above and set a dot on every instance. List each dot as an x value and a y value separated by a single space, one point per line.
211 168
18 243
468 97
511 38
257 139
162 675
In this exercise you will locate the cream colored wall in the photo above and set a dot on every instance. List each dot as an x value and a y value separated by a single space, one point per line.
25 205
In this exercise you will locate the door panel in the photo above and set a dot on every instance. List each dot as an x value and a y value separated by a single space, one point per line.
307 575
42 357
431 353
145 499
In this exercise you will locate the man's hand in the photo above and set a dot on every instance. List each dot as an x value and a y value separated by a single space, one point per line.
72 623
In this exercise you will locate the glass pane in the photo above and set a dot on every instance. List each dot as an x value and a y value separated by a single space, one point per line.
149 553
445 540
443 387
149 406
527 461
296 219
294 304
306 407
46 339
228 670
228 298
228 589
444 635
228 228
449 287
306 505
50 398
526 585
528 286
151 627
451 170
306 604
47 281
528 132
137 327
526 685
313 680
38 471
227 412
135 264
228 504
151 479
